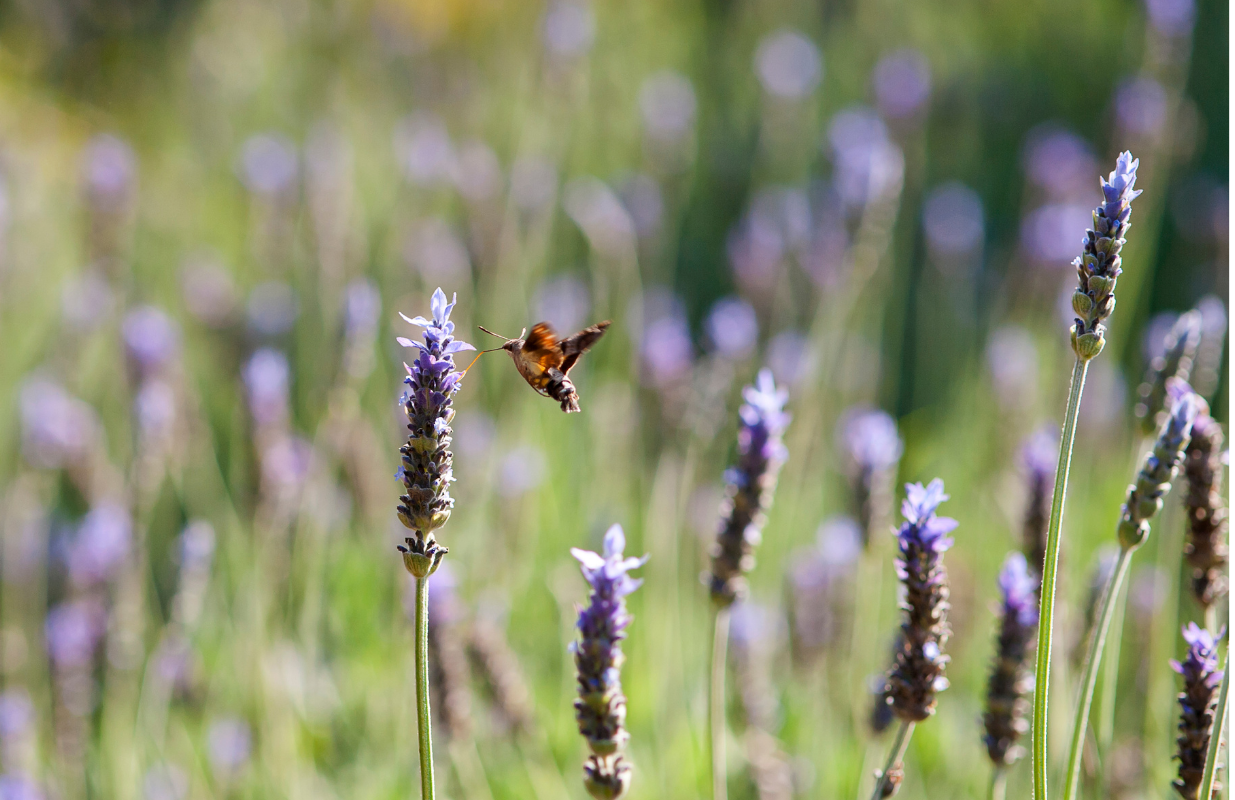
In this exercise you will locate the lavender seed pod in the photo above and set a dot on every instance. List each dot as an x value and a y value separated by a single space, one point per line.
498 667
600 709
1176 361
750 486
1206 548
917 674
1010 681
1144 499
1039 456
872 449
1098 267
426 466
1197 705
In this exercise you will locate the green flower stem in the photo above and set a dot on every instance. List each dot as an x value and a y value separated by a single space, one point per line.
716 704
1110 679
1215 735
999 784
1089 672
423 722
1046 610
895 756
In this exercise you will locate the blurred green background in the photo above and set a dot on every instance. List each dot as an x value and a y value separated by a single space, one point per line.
210 212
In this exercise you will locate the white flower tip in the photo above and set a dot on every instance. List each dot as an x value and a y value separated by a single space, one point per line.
615 541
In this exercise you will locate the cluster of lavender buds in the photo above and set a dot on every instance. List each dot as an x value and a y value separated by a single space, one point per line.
1010 681
918 672
1206 548
872 448
1144 499
601 707
1039 457
1197 704
750 484
1098 268
426 468
1175 361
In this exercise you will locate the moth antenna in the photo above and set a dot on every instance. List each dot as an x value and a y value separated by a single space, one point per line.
491 333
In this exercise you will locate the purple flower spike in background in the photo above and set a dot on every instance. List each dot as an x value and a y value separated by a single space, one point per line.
601 707
1040 456
1144 499
1006 705
1206 549
872 447
1197 704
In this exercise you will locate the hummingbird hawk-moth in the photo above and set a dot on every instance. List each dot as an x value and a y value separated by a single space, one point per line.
545 361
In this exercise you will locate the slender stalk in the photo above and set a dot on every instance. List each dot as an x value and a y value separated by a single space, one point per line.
1046 610
1215 735
716 704
999 784
423 723
895 756
1211 619
1089 672
1110 679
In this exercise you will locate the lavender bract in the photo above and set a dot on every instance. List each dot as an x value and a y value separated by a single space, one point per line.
426 469
600 709
917 674
1206 548
1197 706
750 484
1010 681
1144 499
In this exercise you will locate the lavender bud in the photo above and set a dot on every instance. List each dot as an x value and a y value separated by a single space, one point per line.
1098 267
426 467
1175 361
1197 704
1206 548
1144 499
1010 681
601 708
872 448
749 487
918 672
1039 456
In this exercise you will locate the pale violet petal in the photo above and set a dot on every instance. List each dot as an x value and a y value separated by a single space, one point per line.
587 558
615 541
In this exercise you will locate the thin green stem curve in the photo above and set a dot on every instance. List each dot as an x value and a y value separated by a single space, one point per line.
1110 679
423 722
895 755
716 704
1215 735
1046 609
1089 672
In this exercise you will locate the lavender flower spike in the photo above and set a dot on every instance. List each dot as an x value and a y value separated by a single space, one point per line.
1098 267
750 485
1197 703
1144 499
918 671
1206 549
1039 455
601 707
1009 682
872 449
1175 361
426 465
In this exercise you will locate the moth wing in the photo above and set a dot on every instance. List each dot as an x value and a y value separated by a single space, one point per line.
575 346
542 348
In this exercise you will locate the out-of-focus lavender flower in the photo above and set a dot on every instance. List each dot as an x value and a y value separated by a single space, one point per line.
1206 549
165 782
1105 399
533 183
1197 704
1010 681
362 304
756 250
16 715
600 709
286 462
1178 348
73 631
423 148
1039 457
902 83
954 222
1171 17
750 485
151 339
269 164
436 252
209 294
109 170
425 469
791 358
1144 499
917 675
86 301
1208 361
641 196
600 215
871 448
478 174
521 470
667 105
789 64
1141 106
753 633
1153 341
563 301
1012 360
101 545
732 327
19 787
272 308
266 377
229 743
57 429
866 164
499 669
568 28
1058 161
665 348
1048 233
819 579
449 675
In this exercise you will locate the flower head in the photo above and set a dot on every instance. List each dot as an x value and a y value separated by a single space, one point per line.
1009 681
1178 350
1197 706
871 448
1206 549
1039 455
1144 499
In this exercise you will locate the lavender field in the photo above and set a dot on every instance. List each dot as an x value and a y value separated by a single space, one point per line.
805 537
